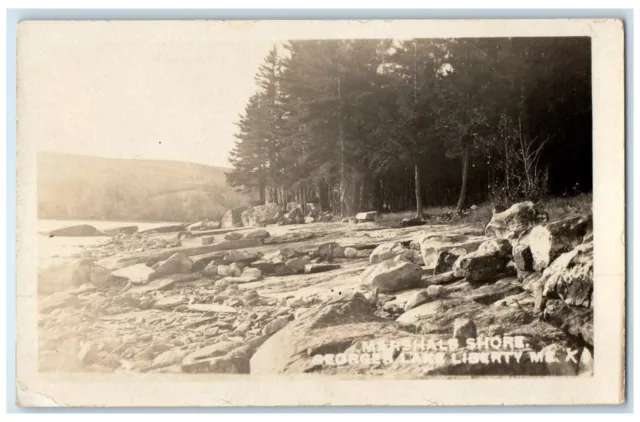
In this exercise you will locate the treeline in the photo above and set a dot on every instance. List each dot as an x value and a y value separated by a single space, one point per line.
97 188
399 124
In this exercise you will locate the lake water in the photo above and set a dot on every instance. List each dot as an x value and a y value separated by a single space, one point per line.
52 248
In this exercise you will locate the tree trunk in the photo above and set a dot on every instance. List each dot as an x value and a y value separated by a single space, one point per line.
465 170
418 192
323 193
262 192
343 180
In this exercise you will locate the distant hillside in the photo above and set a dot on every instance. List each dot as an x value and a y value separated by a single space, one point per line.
96 188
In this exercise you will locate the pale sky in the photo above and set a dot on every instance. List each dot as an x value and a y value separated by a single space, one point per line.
135 93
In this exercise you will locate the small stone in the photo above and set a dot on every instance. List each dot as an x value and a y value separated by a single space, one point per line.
130 339
464 328
146 337
140 365
585 365
275 325
416 300
235 269
224 271
222 283
252 273
250 294
538 297
434 291
244 327
366 216
211 270
168 302
296 265
293 302
89 353
168 358
207 240
350 253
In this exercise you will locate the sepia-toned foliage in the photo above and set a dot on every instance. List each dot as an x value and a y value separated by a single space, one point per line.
401 124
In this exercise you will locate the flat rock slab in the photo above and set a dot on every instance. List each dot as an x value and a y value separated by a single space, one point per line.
209 307
118 230
240 280
151 257
169 302
214 350
136 274
81 230
163 283
320 268
131 315
366 216
490 293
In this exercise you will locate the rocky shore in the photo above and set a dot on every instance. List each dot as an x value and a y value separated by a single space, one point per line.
295 298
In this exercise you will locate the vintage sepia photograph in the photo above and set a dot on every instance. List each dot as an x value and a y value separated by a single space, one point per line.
341 207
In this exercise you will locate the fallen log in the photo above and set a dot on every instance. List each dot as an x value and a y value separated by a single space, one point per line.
442 278
151 257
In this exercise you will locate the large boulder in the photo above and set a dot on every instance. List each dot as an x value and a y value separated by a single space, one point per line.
432 246
327 252
232 218
261 214
296 265
438 315
233 236
64 276
549 241
295 216
522 256
573 320
313 210
177 263
390 250
515 220
570 277
392 276
235 361
257 234
100 276
333 329
488 262
81 230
